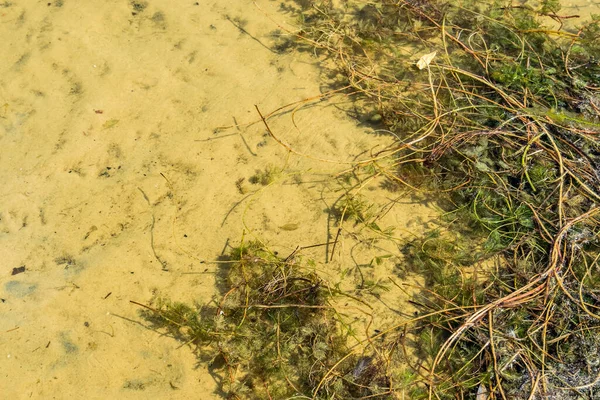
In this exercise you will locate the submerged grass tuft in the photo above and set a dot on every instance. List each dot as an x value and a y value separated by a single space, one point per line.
274 333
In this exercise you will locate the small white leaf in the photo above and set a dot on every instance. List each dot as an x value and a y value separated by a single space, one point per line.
482 393
426 60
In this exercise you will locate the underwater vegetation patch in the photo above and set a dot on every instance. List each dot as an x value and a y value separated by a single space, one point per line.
495 109
274 333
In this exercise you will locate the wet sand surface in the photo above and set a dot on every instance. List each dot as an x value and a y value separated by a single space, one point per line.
116 186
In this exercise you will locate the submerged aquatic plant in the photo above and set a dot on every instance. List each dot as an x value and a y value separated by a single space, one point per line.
274 333
499 114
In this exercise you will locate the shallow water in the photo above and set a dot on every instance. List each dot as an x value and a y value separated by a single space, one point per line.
117 186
